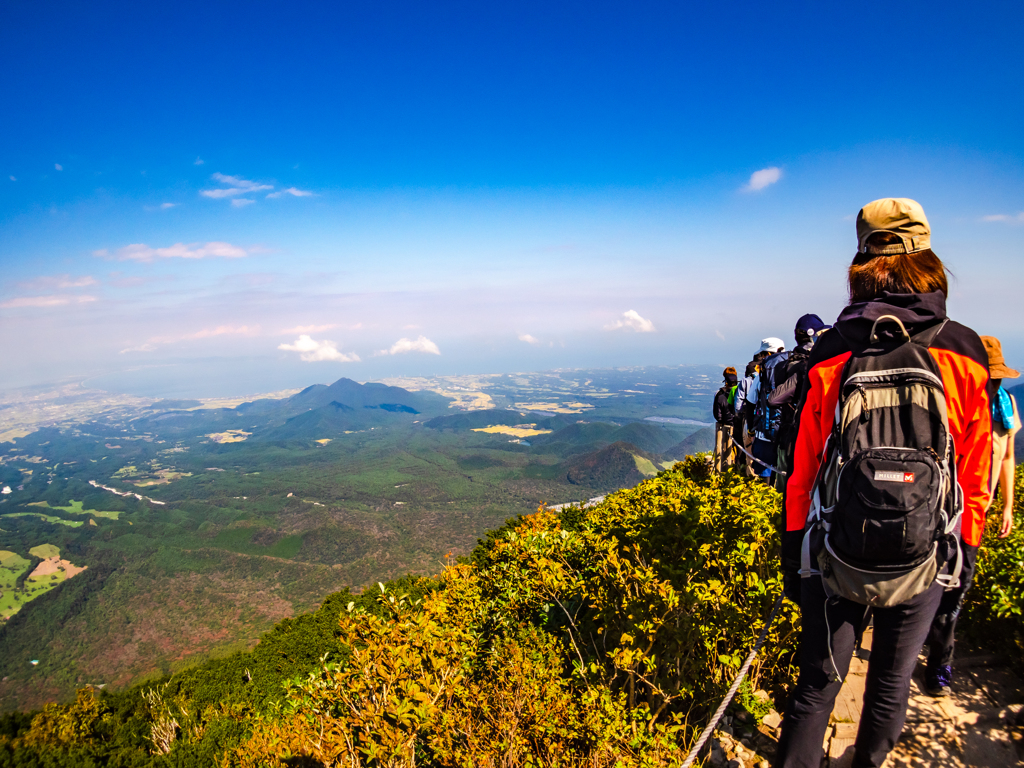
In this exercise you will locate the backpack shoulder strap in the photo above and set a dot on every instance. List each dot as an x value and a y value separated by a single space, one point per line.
927 337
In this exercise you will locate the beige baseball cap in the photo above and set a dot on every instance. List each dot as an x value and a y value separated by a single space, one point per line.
902 217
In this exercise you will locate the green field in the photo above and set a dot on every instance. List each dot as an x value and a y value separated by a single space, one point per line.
47 518
12 567
75 508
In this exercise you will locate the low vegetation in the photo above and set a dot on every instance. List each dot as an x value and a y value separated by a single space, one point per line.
993 616
598 636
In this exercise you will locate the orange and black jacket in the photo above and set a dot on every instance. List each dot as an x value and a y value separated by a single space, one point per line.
963 362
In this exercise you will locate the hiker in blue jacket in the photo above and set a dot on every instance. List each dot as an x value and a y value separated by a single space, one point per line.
765 424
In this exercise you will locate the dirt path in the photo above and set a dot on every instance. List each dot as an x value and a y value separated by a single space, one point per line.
981 725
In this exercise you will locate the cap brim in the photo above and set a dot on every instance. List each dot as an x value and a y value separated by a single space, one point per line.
1000 371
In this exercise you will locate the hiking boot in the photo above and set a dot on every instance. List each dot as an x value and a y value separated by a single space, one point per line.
936 681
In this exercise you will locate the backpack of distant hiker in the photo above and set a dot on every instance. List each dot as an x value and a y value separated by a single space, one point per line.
886 504
766 418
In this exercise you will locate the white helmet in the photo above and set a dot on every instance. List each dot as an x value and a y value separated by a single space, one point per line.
772 344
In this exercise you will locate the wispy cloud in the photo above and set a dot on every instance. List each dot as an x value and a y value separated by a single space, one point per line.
58 166
291 191
59 282
420 344
305 329
161 207
221 330
312 351
234 186
528 338
241 202
54 300
631 319
142 252
763 178
199 161
1010 219
12 178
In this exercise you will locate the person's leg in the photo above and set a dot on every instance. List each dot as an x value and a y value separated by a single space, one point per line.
827 637
748 443
898 636
738 430
765 453
941 634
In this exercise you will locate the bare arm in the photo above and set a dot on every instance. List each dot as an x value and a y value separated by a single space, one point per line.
1006 478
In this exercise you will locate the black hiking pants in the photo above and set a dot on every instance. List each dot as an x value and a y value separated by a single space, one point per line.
898 637
941 634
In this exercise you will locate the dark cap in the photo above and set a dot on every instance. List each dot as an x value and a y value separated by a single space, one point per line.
810 325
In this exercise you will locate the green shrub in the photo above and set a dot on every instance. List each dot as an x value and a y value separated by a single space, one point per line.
993 614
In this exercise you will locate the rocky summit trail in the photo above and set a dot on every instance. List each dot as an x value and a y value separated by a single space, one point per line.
980 725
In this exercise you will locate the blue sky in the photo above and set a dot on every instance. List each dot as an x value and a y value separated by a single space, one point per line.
246 196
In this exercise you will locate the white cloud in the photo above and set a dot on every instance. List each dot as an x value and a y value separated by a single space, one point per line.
234 185
58 166
142 252
165 206
205 333
1018 219
55 300
147 347
12 178
763 178
291 191
305 329
241 202
199 161
312 351
220 330
631 319
421 344
528 338
60 282
161 207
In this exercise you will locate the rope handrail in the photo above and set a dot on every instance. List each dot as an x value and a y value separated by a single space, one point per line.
732 690
764 464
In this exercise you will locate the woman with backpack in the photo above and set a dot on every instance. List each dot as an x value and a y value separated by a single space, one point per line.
891 470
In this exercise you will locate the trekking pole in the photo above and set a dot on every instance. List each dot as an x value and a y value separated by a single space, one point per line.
732 690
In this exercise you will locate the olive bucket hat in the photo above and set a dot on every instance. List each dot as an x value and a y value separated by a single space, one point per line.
997 367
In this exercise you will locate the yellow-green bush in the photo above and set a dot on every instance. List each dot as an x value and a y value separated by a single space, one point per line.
994 606
591 637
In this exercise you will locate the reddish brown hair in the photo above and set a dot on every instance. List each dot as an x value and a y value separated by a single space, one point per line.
870 276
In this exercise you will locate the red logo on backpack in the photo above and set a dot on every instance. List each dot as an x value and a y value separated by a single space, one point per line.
908 477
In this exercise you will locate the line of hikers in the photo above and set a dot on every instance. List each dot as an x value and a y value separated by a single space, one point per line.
888 435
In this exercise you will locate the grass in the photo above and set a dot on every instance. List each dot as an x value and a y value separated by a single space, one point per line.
48 518
45 551
75 508
645 466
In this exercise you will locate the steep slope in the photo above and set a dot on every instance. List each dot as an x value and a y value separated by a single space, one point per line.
700 441
620 465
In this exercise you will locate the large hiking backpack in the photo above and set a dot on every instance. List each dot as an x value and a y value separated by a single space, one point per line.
886 504
767 418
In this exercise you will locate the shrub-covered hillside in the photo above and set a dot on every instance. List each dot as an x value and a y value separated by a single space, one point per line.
597 636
